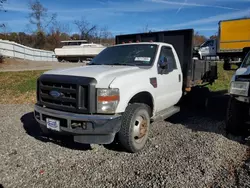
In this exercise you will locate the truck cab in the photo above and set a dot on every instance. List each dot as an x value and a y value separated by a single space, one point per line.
208 48
122 90
239 102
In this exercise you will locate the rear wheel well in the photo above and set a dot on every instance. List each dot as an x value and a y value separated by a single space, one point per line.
145 98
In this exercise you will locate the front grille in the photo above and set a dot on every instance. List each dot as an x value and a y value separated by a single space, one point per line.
242 78
76 93
68 94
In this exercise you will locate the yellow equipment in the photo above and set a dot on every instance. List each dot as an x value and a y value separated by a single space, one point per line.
234 35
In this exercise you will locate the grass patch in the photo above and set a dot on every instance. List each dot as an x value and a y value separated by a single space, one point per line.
224 78
18 87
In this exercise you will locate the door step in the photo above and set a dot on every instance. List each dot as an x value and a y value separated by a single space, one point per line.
166 113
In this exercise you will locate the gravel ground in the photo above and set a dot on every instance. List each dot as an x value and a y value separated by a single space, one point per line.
25 65
189 150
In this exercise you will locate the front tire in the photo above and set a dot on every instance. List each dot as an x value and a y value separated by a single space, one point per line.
134 131
237 113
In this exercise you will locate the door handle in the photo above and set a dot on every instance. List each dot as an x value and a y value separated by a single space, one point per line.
179 77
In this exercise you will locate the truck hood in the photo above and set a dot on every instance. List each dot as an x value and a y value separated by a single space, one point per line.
241 71
104 74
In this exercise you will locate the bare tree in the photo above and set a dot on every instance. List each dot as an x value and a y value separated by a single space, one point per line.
40 40
104 35
57 33
198 39
87 30
60 27
145 29
1 5
75 36
215 36
5 30
39 16
2 26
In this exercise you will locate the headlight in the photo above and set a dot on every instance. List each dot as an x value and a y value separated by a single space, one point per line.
107 100
239 88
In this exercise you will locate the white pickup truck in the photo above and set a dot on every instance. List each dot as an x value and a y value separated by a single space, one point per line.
122 90
238 110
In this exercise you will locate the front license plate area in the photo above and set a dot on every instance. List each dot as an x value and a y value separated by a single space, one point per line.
53 124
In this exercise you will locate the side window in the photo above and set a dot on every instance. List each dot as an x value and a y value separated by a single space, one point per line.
211 43
204 44
167 54
208 43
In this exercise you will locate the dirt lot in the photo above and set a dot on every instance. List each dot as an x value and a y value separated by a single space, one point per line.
12 64
188 150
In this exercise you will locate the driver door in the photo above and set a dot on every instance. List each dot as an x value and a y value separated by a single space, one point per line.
169 79
212 48
205 49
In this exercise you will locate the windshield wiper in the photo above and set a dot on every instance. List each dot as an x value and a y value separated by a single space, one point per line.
126 64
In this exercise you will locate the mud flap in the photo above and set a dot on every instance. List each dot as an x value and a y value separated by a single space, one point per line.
95 139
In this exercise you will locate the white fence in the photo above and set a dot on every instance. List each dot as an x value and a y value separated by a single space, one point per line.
12 49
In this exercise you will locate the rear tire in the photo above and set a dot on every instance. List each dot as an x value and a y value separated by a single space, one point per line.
237 113
134 131
226 64
197 98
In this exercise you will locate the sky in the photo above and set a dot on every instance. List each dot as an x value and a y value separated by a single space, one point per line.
131 16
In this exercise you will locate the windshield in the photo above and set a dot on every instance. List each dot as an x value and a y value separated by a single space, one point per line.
131 55
208 43
246 61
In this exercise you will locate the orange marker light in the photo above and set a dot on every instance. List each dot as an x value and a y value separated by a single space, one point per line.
108 98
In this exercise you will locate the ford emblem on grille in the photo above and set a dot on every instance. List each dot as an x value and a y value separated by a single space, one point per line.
55 94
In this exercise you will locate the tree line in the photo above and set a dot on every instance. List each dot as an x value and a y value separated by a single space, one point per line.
49 31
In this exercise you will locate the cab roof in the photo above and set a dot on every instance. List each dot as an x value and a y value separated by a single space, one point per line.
155 43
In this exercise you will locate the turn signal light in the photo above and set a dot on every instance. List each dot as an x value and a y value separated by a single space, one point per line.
108 98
